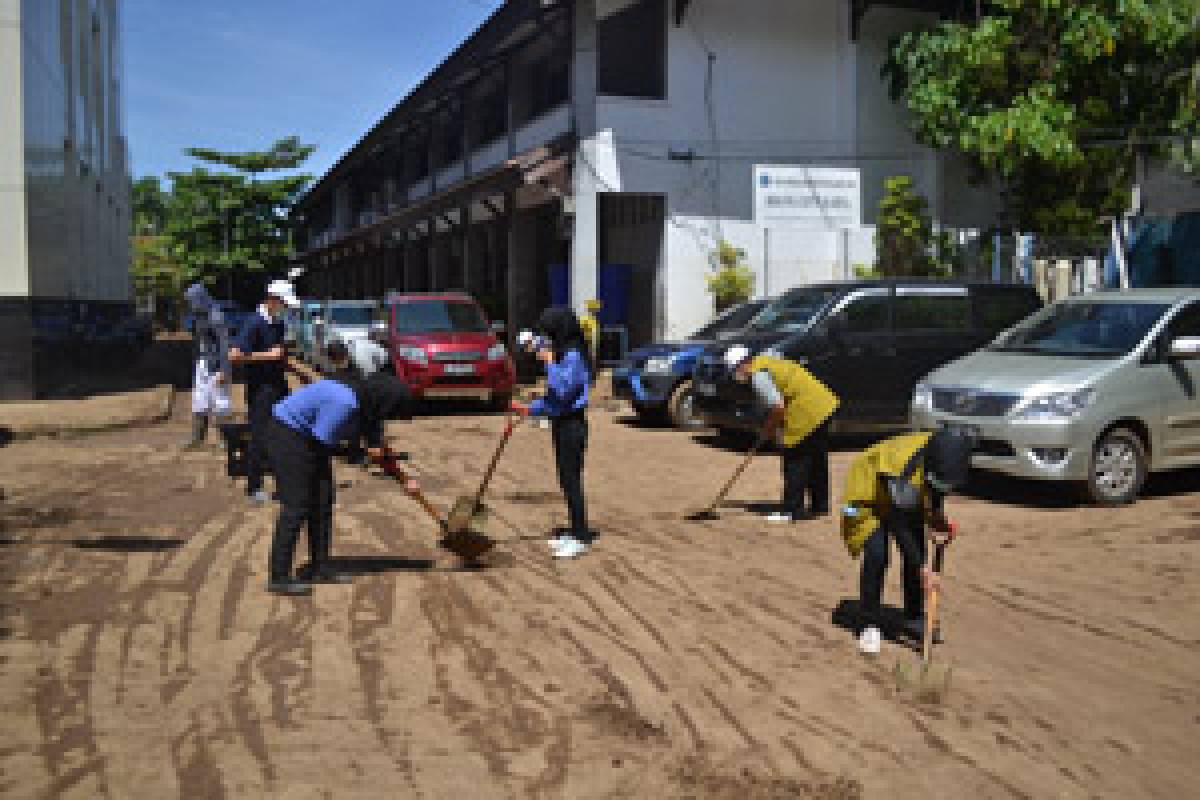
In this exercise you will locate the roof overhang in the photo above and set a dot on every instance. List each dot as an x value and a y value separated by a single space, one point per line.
859 9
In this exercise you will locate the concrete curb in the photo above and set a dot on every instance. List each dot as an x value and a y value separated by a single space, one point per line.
68 419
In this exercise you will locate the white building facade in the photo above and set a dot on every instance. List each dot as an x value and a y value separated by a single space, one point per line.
649 160
64 179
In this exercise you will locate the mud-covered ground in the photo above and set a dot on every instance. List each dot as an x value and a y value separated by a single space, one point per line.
141 657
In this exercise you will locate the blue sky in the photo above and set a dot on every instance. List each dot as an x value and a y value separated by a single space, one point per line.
239 74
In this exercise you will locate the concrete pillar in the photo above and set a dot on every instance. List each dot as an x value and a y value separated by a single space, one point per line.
585 239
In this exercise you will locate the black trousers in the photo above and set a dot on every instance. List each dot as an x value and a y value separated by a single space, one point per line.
907 529
260 399
570 435
806 471
303 470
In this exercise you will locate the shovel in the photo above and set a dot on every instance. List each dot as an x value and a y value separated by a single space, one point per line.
926 681
468 510
710 513
467 544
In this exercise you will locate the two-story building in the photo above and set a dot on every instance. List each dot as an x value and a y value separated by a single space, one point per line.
564 136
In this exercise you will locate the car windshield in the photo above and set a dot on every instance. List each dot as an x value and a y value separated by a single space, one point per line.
731 321
1083 329
351 315
439 316
792 312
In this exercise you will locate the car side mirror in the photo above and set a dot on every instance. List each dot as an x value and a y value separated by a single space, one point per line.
1185 348
379 331
499 327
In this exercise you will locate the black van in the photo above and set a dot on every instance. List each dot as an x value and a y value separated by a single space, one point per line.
868 341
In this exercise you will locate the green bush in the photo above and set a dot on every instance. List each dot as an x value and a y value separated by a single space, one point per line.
732 281
904 237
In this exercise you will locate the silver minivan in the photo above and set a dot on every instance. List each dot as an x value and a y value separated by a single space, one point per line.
1101 389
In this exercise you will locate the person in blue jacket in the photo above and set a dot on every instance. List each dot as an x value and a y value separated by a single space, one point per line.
304 429
569 370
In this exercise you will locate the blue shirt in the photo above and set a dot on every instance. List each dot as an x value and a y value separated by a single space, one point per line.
258 336
326 410
567 387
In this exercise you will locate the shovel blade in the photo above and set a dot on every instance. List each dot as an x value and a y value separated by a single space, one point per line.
926 682
461 515
468 545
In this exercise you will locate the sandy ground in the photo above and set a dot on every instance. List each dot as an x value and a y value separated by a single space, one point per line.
141 658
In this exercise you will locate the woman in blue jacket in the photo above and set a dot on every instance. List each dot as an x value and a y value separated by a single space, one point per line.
569 371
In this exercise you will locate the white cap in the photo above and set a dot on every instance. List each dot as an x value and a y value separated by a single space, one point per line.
285 292
735 355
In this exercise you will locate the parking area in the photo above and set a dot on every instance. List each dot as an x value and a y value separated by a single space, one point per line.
141 657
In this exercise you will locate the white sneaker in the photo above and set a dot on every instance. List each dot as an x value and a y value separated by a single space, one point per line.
870 641
779 518
570 547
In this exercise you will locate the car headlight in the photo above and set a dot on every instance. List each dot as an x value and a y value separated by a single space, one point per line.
922 399
497 352
1060 405
660 366
413 354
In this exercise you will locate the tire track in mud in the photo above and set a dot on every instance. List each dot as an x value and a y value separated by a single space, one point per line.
503 722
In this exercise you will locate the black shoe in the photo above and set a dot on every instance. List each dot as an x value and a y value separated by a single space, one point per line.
325 575
290 587
915 630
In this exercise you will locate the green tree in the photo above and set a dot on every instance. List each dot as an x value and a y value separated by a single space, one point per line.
225 220
905 241
732 281
1055 98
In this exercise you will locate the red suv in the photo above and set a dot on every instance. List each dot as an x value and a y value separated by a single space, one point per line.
442 347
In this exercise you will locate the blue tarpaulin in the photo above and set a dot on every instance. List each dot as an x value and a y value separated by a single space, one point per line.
1161 252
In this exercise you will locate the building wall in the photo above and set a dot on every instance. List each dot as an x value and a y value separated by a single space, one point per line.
788 85
64 180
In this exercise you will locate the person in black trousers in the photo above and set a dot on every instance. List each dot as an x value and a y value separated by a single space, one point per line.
806 472
304 429
569 372
260 348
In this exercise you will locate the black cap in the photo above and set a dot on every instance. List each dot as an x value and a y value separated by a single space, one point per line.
948 460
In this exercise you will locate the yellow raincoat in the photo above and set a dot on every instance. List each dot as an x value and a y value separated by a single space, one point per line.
866 493
809 402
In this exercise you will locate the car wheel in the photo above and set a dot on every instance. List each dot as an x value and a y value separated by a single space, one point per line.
1117 469
681 408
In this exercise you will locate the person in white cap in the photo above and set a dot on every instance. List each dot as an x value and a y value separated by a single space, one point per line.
260 348
799 408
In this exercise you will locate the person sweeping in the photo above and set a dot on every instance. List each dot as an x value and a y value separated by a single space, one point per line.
304 429
565 353
212 374
800 406
893 490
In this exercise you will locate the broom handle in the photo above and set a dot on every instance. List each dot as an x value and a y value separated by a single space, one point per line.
487 476
736 474
937 554
388 464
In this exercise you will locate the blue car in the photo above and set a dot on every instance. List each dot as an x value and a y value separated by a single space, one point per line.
657 379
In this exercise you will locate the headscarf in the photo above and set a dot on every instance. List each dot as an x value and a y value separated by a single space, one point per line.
562 328
198 299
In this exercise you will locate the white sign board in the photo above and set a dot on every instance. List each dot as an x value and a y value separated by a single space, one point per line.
815 198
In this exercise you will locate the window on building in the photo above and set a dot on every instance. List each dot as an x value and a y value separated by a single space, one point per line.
489 114
632 51
450 138
933 312
549 84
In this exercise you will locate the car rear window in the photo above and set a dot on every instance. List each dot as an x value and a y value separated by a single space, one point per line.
439 316
933 312
351 315
999 311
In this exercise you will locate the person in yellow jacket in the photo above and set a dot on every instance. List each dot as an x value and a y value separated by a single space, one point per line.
893 490
800 406
591 326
